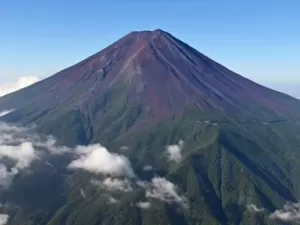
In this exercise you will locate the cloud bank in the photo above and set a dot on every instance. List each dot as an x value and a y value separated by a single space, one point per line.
21 146
174 151
11 135
22 82
97 159
15 148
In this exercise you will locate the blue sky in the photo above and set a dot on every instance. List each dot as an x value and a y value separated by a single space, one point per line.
258 39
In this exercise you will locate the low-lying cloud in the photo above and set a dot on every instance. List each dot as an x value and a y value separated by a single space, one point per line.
7 176
254 208
147 168
22 154
289 213
11 135
111 199
97 159
20 146
16 149
175 151
82 193
114 184
158 188
143 205
164 190
3 219
22 82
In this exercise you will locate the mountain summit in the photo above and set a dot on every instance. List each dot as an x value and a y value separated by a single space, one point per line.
160 73
194 133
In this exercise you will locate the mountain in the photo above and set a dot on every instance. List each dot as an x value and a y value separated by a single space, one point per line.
145 76
229 146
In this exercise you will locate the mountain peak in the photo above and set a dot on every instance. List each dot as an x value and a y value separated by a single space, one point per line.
158 32
146 35
159 74
151 32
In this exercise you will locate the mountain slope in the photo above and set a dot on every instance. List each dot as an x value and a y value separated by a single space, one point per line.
144 92
153 72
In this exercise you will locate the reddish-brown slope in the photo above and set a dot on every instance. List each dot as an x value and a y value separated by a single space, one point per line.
160 72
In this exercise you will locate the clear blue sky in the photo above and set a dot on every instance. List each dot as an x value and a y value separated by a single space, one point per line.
258 39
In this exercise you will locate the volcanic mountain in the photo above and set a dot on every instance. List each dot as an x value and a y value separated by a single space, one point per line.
149 76
148 90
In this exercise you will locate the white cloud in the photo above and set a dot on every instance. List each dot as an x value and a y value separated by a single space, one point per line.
143 205
289 213
97 159
14 135
7 128
143 184
15 146
147 168
22 146
82 193
111 199
174 151
49 164
6 176
5 112
114 184
50 145
254 208
124 148
23 154
3 219
164 190
22 82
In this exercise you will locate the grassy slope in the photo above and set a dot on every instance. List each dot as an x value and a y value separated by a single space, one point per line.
225 167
